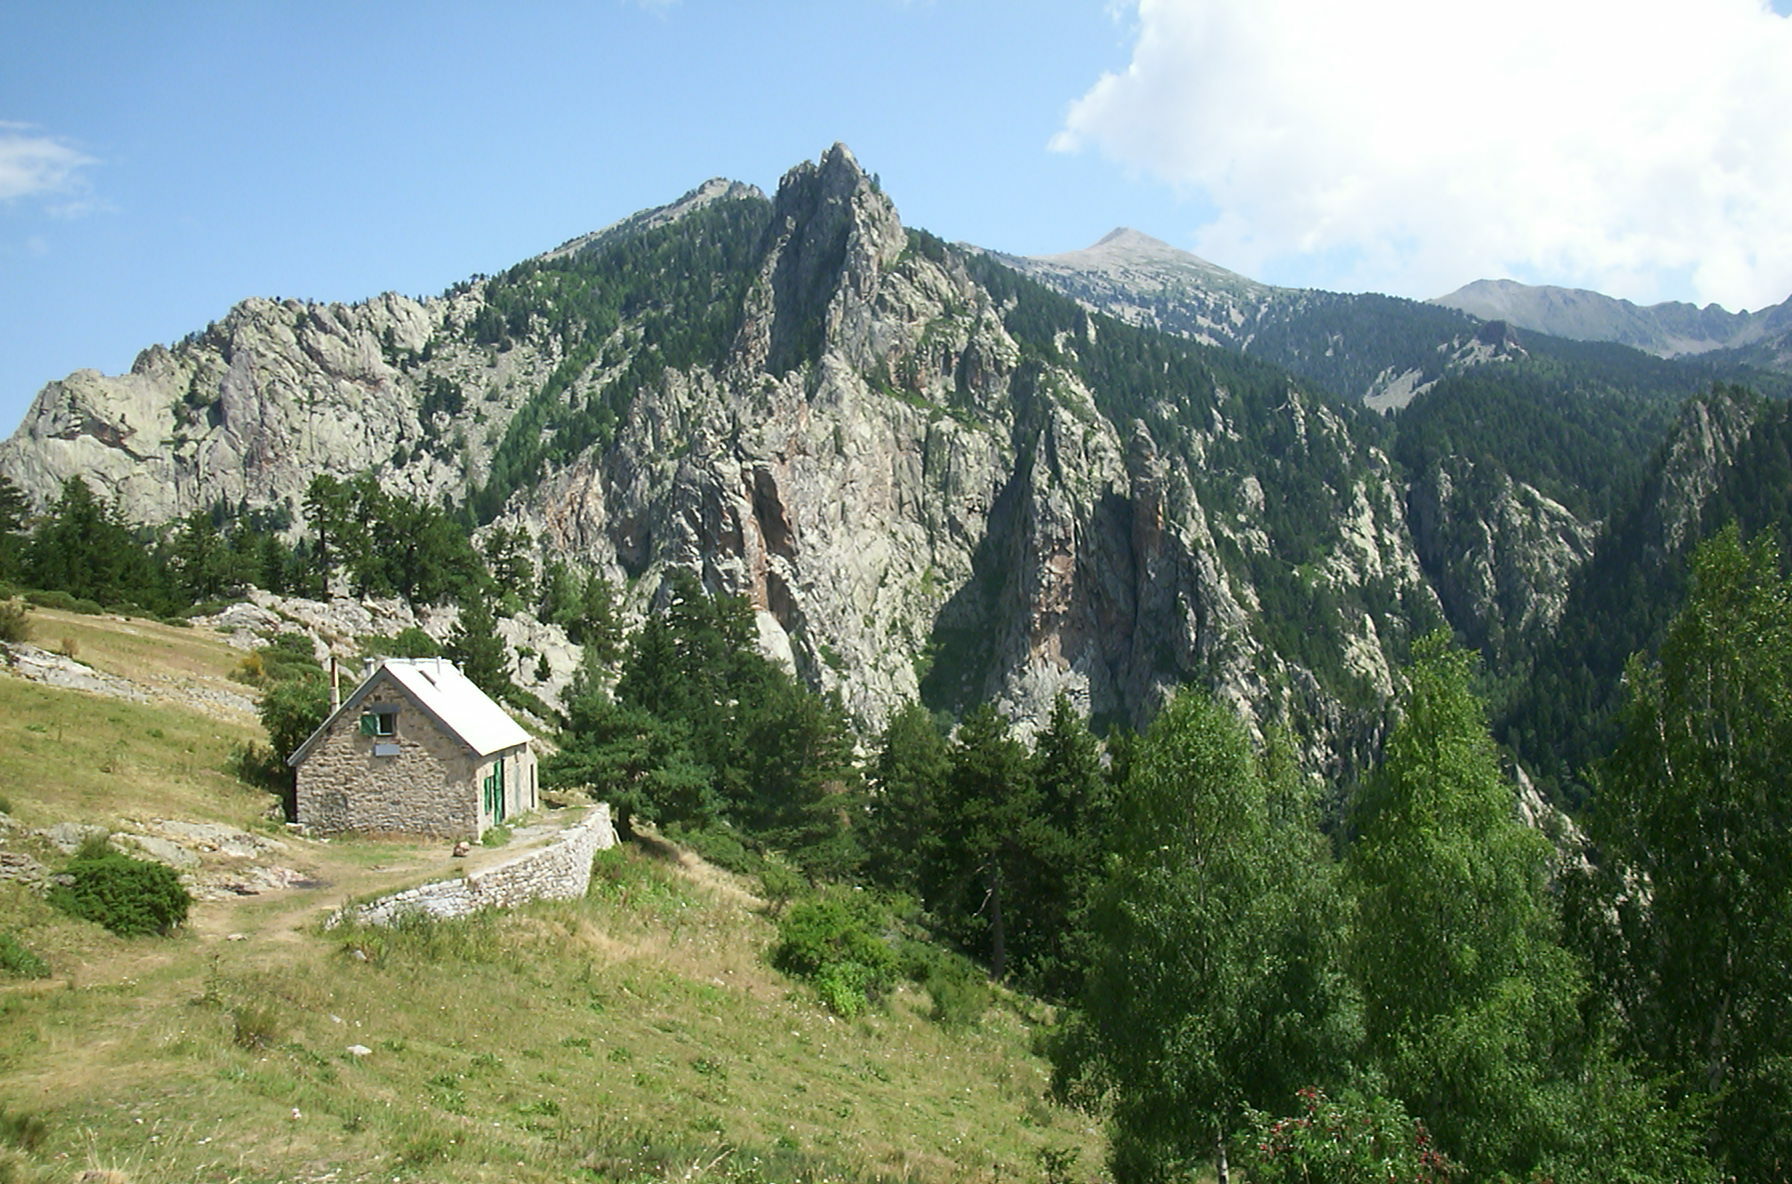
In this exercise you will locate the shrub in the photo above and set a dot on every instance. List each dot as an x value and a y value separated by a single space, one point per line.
1347 1141
256 1025
131 897
15 959
831 942
288 656
779 882
411 642
292 709
959 991
13 627
958 987
719 844
66 602
256 764
24 1131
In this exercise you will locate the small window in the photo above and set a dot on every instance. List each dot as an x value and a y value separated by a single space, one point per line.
379 723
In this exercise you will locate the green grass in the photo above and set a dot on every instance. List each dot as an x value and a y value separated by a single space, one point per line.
637 1034
68 756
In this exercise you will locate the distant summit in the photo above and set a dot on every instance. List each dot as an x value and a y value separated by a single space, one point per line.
1667 330
1144 264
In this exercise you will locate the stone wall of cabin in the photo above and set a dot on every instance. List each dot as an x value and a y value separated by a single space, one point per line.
429 787
559 871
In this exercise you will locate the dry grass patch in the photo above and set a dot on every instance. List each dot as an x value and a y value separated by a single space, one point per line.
636 1034
141 650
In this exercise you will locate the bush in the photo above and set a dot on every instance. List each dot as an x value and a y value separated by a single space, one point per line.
15 959
65 601
831 942
959 991
958 987
1349 1141
292 709
23 1130
257 765
530 702
719 844
256 1025
13 627
779 883
287 656
411 642
131 897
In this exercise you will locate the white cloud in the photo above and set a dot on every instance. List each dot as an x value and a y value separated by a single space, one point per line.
33 164
1642 147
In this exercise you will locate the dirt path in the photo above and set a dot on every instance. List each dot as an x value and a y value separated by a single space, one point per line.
344 868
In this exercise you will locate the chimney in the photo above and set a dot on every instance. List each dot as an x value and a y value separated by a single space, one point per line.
335 686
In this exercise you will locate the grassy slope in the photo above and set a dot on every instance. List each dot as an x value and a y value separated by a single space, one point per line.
636 1034
68 756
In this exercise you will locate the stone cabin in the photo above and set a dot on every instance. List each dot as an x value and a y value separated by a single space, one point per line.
416 748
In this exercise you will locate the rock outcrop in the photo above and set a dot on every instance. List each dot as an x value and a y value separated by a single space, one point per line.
927 480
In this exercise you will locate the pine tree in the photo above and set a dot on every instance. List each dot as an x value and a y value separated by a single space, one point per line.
13 507
1073 843
640 764
84 548
902 813
476 648
596 624
981 863
204 566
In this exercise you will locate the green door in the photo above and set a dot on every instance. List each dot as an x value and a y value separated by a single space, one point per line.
494 793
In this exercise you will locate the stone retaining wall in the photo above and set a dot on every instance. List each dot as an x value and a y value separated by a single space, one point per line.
559 871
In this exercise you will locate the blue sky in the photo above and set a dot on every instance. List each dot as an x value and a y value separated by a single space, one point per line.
159 162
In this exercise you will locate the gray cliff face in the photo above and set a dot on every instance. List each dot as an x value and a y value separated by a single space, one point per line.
1500 553
913 502
248 411
1700 449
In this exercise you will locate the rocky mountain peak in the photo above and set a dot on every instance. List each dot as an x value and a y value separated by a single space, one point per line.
1126 240
833 234
1126 249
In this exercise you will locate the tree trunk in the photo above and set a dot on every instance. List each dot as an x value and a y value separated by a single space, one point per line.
998 938
1221 1169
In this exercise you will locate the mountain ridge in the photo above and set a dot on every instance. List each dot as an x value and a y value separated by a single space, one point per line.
1667 329
933 472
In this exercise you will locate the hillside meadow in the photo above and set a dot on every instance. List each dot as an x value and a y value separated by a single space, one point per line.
637 1034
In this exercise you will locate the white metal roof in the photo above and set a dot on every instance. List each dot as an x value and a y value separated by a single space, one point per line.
457 703
439 687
